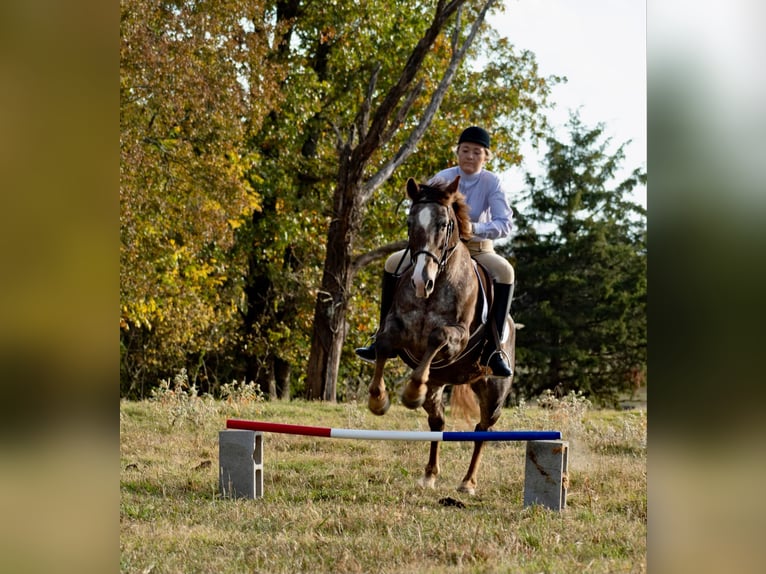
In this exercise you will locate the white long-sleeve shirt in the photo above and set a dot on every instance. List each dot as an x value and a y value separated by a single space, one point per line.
490 213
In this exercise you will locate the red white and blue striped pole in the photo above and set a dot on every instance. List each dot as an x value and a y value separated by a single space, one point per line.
363 434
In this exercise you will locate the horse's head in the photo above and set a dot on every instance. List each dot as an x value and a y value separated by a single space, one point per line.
437 220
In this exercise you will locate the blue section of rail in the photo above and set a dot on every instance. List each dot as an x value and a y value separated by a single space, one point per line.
501 435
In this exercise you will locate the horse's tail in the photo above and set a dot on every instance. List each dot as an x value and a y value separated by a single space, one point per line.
464 404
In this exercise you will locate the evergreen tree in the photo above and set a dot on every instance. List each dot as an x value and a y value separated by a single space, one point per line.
580 255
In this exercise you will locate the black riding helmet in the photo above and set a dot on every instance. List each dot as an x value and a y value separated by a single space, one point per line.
476 135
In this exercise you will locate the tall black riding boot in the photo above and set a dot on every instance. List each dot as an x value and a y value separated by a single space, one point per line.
386 300
494 357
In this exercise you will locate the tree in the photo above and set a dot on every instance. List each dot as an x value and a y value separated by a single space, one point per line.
250 130
185 107
384 119
581 262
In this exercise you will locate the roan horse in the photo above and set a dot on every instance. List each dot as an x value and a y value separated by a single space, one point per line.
436 325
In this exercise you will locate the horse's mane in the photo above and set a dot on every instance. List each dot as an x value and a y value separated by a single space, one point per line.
438 190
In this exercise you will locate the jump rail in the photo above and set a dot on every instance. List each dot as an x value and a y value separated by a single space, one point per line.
241 455
362 434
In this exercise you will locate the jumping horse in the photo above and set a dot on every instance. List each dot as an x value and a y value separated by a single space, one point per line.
437 319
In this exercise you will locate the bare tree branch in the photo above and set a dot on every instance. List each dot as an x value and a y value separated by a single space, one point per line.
402 113
363 117
374 255
380 120
438 96
456 31
339 143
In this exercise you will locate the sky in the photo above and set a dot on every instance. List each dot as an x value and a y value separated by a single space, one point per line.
600 46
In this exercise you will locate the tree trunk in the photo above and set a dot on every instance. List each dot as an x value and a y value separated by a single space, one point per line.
282 378
268 384
273 379
332 300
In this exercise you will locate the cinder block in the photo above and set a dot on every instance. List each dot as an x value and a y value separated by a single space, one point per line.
240 463
545 474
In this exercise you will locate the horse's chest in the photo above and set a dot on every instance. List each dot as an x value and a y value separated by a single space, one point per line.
419 319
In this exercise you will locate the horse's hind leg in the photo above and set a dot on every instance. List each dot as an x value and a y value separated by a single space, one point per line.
492 393
433 406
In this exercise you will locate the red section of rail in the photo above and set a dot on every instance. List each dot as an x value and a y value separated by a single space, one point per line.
277 427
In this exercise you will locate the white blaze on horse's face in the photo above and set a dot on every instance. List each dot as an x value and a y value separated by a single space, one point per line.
426 266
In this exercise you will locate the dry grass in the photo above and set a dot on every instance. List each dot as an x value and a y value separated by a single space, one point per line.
335 506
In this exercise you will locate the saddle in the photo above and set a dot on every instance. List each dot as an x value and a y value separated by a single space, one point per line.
473 348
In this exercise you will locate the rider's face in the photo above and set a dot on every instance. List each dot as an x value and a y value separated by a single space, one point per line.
471 157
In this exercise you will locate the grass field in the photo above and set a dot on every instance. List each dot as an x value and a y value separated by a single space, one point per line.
336 506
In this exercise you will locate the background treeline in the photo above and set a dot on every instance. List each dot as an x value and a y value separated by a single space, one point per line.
247 128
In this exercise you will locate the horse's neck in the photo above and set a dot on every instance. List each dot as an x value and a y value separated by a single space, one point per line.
460 263
462 253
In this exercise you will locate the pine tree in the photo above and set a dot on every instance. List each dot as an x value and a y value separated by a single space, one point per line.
580 255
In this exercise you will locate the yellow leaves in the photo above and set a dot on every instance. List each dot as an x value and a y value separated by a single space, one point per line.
211 205
140 313
253 202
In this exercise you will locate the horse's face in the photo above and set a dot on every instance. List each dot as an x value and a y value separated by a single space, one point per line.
431 227
428 233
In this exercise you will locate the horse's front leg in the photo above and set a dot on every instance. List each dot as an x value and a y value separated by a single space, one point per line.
414 394
450 339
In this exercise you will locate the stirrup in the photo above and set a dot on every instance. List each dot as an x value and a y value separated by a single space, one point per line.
367 353
497 362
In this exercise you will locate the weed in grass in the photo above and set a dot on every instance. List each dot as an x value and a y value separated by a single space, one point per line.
356 414
242 394
181 401
625 434
566 413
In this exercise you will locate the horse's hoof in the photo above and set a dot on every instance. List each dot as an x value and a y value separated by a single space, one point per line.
467 488
413 402
427 481
379 405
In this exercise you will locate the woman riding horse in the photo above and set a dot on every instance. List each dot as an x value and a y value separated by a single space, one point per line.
491 218
435 321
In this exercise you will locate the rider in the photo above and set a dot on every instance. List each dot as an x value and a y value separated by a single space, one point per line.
491 218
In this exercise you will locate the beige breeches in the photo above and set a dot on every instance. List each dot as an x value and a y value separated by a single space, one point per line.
482 251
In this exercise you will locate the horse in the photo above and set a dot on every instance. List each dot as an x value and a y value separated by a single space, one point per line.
436 323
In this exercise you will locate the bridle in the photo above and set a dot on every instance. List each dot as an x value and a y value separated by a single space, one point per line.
446 250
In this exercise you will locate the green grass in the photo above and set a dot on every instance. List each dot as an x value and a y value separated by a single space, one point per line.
335 506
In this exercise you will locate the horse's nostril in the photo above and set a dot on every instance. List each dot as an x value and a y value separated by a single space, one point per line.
429 285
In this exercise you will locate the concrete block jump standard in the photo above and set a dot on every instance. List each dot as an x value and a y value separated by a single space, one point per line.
241 455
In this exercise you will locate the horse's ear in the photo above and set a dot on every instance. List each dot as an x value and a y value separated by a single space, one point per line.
412 189
452 187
